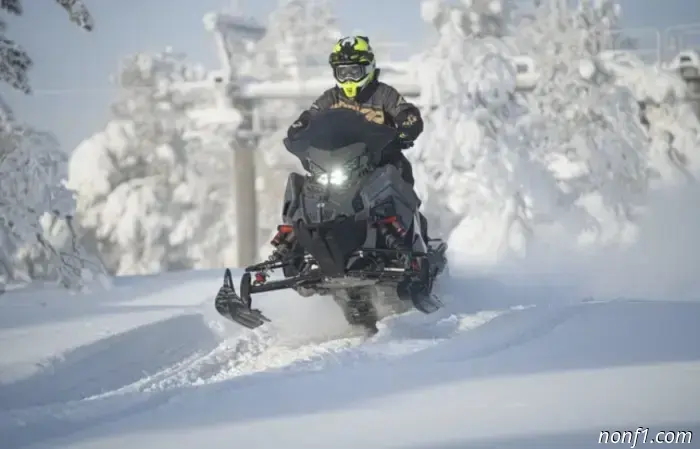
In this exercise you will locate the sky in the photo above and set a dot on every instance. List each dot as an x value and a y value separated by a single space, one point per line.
72 68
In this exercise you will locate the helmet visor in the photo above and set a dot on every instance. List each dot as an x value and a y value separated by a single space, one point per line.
353 72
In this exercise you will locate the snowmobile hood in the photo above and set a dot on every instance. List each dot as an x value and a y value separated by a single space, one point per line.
340 138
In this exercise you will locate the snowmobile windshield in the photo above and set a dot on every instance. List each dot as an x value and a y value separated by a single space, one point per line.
339 143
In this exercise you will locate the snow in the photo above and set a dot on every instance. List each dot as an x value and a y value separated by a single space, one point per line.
543 352
506 363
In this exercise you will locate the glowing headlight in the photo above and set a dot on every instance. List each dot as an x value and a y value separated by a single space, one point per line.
336 178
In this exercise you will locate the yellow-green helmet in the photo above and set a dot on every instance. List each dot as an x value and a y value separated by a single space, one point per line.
353 64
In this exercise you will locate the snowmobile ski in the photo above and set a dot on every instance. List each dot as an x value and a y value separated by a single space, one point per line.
238 308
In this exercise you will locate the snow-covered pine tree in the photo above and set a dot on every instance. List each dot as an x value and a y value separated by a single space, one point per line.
299 36
673 127
457 25
481 165
154 186
674 133
596 142
297 41
32 174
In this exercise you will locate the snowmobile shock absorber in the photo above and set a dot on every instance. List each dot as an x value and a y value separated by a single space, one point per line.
395 243
282 241
285 233
400 229
398 243
263 275
394 222
391 240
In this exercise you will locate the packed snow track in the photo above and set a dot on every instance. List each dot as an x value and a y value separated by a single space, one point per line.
150 364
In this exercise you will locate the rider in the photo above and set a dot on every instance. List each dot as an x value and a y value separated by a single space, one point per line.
358 88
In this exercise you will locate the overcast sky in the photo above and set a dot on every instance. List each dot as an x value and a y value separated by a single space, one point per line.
69 59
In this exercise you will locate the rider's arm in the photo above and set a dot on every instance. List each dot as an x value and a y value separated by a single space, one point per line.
406 116
325 101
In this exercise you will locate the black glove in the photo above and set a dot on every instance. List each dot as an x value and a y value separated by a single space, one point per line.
403 141
410 125
299 125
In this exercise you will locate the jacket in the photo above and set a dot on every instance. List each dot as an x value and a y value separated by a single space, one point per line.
378 101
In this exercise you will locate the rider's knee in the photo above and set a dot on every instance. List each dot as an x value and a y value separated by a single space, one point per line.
403 165
406 170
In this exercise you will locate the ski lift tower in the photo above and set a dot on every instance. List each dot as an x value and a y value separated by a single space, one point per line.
236 37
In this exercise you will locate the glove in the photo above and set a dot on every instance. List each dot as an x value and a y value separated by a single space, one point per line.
403 141
299 125
409 125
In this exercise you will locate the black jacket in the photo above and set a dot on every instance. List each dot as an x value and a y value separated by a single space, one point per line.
379 102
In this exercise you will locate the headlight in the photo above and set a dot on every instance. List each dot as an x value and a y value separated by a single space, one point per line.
336 178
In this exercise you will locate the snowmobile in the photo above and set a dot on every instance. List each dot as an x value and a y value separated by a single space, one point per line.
351 229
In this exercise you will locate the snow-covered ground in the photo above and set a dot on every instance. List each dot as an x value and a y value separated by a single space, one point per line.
507 363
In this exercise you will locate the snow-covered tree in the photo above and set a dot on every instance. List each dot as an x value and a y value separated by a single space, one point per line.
453 95
298 39
299 36
476 18
568 158
62 240
598 146
442 68
155 185
485 164
674 132
673 127
32 174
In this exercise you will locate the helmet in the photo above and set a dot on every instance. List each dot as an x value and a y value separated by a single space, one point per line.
353 64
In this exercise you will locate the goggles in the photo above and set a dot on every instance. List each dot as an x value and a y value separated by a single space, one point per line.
354 72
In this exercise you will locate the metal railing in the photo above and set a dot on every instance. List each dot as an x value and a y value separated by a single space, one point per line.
680 37
645 42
